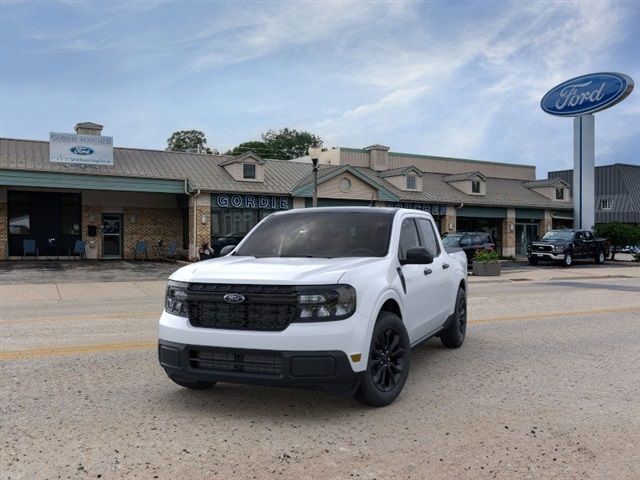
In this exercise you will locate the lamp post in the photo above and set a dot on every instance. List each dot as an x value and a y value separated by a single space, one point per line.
314 153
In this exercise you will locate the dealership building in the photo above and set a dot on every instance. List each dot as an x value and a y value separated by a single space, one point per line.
79 187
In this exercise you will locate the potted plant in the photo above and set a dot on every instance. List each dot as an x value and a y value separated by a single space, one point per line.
486 263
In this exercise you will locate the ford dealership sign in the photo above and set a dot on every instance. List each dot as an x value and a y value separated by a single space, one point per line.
80 149
587 94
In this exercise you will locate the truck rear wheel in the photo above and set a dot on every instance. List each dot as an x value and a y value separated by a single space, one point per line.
453 335
389 360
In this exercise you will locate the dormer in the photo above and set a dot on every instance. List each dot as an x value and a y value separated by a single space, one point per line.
378 157
408 179
553 188
471 183
247 167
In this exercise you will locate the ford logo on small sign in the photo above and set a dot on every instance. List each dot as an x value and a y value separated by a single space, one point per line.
587 94
234 298
81 150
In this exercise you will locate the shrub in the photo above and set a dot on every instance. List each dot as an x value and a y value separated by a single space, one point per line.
484 256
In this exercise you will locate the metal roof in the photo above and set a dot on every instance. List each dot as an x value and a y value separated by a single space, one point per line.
547 182
463 176
281 177
202 171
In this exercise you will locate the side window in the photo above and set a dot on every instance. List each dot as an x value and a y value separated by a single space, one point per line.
477 240
465 242
429 240
579 236
408 237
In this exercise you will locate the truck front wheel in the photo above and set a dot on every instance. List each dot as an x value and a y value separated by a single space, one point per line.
388 364
600 257
568 260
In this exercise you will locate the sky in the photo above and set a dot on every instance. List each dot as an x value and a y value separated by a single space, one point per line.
451 78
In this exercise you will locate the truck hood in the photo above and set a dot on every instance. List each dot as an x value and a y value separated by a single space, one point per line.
273 270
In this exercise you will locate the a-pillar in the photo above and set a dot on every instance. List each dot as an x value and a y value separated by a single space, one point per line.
509 234
199 222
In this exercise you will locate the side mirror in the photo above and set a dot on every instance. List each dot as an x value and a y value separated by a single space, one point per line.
226 250
418 256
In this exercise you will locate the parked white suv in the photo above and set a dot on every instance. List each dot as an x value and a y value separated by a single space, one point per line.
329 298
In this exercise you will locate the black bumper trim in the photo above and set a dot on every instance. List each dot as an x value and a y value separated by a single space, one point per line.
322 370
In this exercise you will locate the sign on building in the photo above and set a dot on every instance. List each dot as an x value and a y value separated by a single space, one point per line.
225 200
80 149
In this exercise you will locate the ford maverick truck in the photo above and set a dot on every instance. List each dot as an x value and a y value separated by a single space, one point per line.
565 246
326 298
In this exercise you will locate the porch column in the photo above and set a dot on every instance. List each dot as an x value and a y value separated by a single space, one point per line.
4 227
448 221
509 233
545 224
200 213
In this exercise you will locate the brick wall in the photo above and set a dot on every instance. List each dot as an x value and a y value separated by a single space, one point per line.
152 225
203 230
509 233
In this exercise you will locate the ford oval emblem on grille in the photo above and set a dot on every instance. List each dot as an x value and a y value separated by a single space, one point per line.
234 298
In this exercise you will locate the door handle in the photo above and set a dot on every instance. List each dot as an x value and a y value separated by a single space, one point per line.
427 271
445 266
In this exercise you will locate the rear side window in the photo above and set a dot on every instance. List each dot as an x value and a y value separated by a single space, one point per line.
477 240
429 240
408 237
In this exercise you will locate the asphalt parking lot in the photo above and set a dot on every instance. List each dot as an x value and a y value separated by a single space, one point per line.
546 386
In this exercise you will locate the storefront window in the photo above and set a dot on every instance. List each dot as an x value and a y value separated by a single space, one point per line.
19 221
70 215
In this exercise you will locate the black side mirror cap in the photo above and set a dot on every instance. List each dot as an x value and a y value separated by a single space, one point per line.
418 256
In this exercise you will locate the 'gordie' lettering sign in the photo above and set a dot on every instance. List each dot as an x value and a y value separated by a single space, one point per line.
227 200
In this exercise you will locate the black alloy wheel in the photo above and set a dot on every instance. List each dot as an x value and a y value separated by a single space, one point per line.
387 359
568 260
388 363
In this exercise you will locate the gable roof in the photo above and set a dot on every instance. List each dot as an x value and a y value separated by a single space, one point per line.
249 154
464 176
394 172
304 188
547 182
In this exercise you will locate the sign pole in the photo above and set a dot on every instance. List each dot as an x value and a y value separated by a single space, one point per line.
583 172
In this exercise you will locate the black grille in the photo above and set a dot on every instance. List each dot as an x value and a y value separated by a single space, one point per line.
543 248
264 363
265 308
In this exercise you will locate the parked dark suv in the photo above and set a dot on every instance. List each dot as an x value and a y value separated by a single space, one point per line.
470 242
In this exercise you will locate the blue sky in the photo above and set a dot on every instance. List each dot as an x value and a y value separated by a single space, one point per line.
460 79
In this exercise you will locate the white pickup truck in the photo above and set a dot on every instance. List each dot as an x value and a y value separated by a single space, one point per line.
328 298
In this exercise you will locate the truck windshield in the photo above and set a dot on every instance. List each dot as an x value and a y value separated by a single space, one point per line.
558 235
320 234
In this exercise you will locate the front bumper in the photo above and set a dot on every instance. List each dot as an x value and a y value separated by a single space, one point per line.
547 256
323 370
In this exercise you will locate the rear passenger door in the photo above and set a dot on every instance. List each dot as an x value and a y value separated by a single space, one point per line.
438 280
419 296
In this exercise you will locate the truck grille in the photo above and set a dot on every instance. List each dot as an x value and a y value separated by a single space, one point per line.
543 248
264 363
265 308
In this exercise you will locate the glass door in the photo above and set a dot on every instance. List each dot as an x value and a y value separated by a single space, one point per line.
525 233
111 235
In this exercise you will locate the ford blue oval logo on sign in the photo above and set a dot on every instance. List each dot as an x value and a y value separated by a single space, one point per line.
82 150
587 94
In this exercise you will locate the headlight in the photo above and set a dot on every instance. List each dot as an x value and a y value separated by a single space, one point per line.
322 303
175 299
559 248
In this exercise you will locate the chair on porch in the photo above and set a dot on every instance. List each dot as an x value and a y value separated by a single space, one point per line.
80 249
141 248
29 248
172 250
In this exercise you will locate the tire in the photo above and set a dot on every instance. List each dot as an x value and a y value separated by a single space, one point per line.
389 362
532 260
600 257
453 336
568 260
197 385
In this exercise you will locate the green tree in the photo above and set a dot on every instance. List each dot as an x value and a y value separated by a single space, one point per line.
255 146
619 234
184 140
283 144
